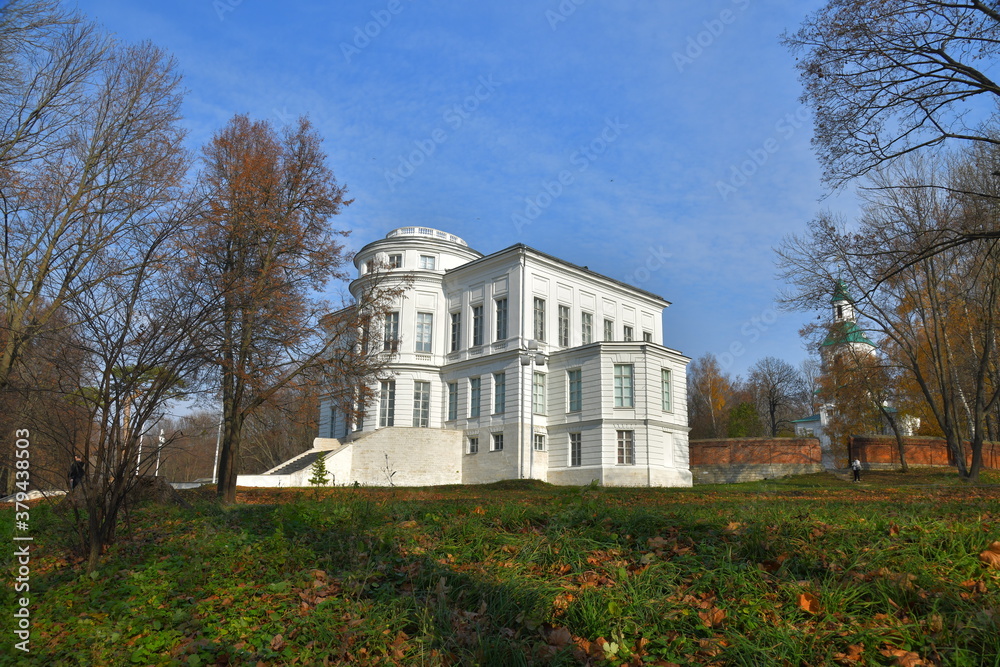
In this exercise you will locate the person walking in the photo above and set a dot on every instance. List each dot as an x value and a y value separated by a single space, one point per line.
77 471
856 467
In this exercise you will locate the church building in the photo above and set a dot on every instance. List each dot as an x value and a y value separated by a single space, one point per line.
511 365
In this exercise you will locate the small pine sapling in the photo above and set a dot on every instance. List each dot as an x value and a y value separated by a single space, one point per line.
320 475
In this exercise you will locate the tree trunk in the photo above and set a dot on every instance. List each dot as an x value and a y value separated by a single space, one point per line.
95 539
900 445
977 456
229 455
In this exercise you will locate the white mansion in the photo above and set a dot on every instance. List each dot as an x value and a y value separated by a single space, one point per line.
510 365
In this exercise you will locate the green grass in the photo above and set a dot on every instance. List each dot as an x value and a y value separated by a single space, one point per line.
801 571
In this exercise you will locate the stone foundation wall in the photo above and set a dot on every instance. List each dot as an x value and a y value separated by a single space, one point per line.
733 474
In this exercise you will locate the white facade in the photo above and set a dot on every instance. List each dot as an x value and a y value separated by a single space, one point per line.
510 351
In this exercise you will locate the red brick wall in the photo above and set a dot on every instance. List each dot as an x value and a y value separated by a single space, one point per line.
755 451
919 451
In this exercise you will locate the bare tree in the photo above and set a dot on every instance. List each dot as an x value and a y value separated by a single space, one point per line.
140 334
939 315
811 370
190 450
889 78
90 150
281 428
90 155
779 390
49 56
892 79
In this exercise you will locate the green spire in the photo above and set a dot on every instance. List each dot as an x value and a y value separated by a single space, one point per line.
840 293
847 332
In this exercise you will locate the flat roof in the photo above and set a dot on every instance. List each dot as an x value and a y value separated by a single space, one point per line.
522 247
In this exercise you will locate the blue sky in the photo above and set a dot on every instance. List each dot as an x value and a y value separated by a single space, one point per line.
657 142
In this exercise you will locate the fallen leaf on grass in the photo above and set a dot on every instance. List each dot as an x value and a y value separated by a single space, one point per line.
991 556
973 586
561 602
657 543
904 581
711 647
713 617
774 565
809 602
734 528
851 656
935 623
903 658
560 637
277 643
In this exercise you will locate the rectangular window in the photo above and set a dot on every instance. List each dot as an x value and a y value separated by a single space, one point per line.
427 262
499 393
623 386
425 325
564 326
456 331
452 401
395 261
497 444
665 384
539 442
475 394
609 330
387 404
539 319
647 337
586 328
538 394
477 325
473 445
501 319
576 449
628 334
390 336
421 403
626 448
575 390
